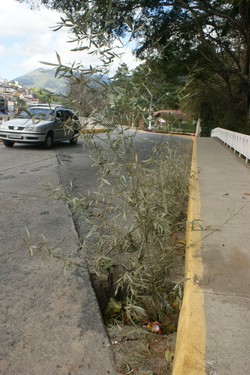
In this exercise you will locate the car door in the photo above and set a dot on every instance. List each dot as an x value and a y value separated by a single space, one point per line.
68 132
59 125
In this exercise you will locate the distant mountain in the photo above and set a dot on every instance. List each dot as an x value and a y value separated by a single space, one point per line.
44 79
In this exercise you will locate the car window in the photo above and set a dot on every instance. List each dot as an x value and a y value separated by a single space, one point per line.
38 113
68 115
59 115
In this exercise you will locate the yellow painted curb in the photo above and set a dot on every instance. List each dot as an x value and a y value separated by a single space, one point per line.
191 334
93 131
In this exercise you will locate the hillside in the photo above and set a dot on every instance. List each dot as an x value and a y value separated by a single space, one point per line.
44 79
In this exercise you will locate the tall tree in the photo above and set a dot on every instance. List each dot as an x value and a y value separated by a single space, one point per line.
84 96
201 35
144 90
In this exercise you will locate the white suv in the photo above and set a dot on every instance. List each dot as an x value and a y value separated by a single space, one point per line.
41 123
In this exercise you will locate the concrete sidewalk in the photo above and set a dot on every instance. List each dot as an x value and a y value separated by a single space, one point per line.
214 328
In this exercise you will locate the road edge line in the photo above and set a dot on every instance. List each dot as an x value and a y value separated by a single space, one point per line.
191 332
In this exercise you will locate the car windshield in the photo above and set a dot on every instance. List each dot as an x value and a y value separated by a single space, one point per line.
37 112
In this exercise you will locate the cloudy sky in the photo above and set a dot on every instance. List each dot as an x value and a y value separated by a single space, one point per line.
27 37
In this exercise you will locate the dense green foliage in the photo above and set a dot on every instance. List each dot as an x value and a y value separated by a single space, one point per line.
135 95
205 42
46 96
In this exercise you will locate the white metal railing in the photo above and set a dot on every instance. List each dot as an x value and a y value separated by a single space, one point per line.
238 142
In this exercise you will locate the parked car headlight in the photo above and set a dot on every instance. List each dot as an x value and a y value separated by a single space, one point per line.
32 128
3 126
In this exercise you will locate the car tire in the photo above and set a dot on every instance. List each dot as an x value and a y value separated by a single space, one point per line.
8 143
49 141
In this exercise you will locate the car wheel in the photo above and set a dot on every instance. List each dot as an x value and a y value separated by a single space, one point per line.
74 140
8 143
49 141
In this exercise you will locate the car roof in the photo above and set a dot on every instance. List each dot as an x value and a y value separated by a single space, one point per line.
51 106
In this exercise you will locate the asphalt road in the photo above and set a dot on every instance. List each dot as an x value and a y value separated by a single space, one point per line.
49 319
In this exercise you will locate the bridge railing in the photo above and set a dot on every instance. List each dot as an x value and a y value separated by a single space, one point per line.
240 143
